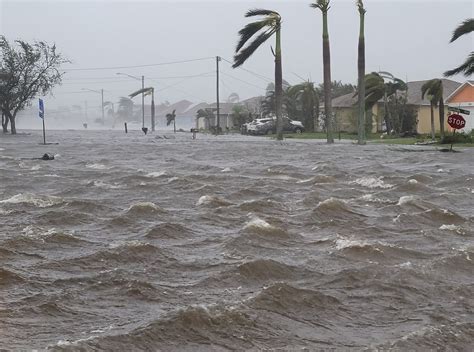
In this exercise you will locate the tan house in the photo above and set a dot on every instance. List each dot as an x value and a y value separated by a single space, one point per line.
345 108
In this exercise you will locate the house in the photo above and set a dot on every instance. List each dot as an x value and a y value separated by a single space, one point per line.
463 98
345 107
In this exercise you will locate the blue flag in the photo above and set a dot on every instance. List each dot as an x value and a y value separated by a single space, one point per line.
41 109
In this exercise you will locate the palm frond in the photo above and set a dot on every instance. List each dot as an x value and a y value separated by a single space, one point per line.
322 5
360 7
467 68
246 52
464 28
140 91
249 31
261 12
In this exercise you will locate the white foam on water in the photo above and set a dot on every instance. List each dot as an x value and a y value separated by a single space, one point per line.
97 166
343 243
203 200
372 182
458 229
102 184
306 180
331 201
227 169
5 212
406 200
144 205
37 201
35 168
129 244
257 223
172 179
412 181
156 174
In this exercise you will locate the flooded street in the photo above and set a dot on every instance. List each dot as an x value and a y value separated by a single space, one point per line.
147 243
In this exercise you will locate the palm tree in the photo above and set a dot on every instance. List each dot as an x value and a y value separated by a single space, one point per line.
323 5
433 89
269 25
125 108
147 91
361 73
171 117
467 68
307 99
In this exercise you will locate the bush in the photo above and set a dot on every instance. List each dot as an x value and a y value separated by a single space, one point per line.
459 138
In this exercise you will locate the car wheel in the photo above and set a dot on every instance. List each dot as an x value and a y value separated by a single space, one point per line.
298 130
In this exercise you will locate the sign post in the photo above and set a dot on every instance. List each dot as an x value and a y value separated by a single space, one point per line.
457 122
41 115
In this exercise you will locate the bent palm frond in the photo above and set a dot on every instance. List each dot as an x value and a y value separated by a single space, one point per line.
464 28
467 68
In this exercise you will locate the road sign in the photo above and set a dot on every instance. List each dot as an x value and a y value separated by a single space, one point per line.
459 110
41 109
456 121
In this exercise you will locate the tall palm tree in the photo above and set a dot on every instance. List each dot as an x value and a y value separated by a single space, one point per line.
323 5
433 89
171 117
266 27
308 100
467 68
361 73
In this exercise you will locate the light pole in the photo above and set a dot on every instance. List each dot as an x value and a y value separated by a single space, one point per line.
101 92
143 94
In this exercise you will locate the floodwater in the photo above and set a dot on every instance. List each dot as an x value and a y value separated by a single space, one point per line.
233 243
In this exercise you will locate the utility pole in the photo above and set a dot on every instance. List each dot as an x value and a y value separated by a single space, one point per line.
102 94
143 102
217 94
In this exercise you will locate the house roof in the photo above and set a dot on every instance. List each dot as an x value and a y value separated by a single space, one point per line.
458 89
413 94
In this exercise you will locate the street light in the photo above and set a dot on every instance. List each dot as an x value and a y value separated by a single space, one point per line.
101 92
143 94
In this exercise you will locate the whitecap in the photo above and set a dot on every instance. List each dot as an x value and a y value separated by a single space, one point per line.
97 166
257 223
412 181
227 169
458 229
144 205
343 243
156 174
406 200
102 184
37 201
372 182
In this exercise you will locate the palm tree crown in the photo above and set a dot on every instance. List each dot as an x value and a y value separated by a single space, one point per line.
467 67
266 26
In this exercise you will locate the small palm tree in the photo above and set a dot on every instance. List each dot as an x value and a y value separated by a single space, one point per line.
307 98
323 5
433 90
171 117
361 73
467 68
269 25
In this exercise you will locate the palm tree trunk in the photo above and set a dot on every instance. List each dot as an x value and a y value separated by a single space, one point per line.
441 118
432 122
5 121
327 79
361 72
278 86
174 124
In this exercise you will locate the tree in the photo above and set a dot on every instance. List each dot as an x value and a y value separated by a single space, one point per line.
307 100
125 108
361 74
269 25
338 89
28 70
323 5
433 89
240 115
467 68
207 115
171 117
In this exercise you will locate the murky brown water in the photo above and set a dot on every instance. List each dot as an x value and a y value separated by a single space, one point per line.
134 243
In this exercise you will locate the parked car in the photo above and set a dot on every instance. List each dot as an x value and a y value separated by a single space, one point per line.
254 126
269 127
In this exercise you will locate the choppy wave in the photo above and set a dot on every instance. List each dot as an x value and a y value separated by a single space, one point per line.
35 200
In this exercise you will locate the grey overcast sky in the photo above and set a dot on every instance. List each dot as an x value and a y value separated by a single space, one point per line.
407 38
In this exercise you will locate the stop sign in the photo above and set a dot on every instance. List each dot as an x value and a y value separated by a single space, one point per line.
456 121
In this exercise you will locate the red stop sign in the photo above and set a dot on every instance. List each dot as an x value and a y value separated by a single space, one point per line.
456 121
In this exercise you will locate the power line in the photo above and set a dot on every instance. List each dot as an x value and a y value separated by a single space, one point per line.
114 79
137 66
251 72
241 80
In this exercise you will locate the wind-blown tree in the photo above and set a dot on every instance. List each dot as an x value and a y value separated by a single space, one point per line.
433 89
171 117
337 89
147 91
467 68
262 30
125 108
307 100
323 5
29 70
207 115
361 74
